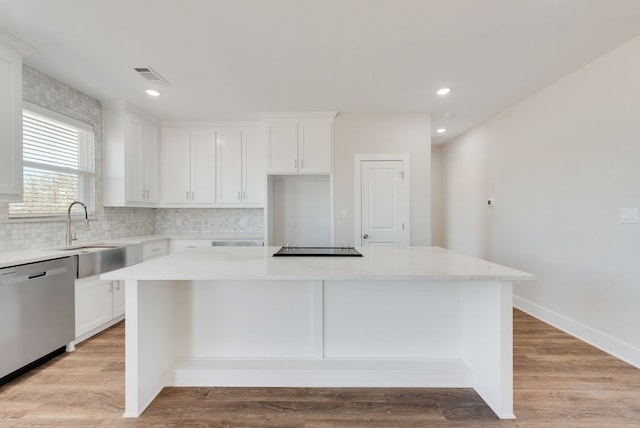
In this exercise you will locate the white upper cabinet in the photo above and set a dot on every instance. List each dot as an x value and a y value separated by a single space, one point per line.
254 159
229 142
314 145
241 165
282 146
299 143
10 125
131 156
175 151
203 166
188 166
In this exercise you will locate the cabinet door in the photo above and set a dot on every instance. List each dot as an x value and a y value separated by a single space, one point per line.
314 149
118 304
229 165
282 147
10 125
203 166
150 161
134 141
93 304
253 166
176 159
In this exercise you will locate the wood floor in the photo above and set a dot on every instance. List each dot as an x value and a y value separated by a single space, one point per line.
558 381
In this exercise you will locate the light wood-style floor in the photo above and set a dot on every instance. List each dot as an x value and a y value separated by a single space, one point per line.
558 380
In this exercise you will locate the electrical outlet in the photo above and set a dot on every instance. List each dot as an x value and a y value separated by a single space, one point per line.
628 215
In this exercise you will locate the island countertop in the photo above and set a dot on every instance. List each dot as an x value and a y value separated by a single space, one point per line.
257 263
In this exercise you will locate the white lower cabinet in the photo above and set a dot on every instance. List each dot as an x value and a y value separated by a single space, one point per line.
155 249
178 245
117 290
99 304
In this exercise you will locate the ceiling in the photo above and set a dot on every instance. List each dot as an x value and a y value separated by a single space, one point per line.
229 59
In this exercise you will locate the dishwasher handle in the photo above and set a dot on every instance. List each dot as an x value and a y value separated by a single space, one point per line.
11 278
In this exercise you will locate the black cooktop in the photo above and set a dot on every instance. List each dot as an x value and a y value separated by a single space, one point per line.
317 252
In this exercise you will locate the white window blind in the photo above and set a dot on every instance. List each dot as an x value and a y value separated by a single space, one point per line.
58 164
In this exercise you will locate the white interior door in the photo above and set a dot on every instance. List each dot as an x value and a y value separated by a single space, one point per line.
382 203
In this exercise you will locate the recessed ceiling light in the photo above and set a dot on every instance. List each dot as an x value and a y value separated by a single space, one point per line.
443 91
448 114
441 130
152 92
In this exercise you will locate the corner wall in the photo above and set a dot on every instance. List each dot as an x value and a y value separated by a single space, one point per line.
362 133
560 165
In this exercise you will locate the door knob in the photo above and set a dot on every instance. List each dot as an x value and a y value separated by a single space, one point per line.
365 236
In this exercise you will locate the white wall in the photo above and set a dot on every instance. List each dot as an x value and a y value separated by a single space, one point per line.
361 133
301 210
560 165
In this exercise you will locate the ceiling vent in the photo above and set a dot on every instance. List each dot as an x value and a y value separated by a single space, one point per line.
151 75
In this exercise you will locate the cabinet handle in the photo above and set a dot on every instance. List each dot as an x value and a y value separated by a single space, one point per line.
301 163
295 162
192 196
244 195
187 196
117 285
239 196
110 286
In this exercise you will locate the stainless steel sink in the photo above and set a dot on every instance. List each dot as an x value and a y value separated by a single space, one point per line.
88 247
96 259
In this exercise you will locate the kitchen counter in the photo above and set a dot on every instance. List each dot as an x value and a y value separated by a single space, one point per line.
389 263
20 257
396 317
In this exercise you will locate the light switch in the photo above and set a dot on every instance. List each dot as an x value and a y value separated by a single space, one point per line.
628 215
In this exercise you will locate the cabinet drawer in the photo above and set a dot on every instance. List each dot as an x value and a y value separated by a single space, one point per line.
188 244
154 249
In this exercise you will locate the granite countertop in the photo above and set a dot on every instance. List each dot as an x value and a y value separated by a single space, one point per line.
257 263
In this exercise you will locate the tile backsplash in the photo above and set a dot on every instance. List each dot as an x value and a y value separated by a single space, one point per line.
109 223
214 220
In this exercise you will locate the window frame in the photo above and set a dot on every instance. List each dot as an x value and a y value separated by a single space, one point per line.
93 176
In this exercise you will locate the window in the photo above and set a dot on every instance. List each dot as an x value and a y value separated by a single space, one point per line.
58 164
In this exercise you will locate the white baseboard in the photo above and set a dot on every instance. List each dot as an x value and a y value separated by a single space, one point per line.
97 330
610 345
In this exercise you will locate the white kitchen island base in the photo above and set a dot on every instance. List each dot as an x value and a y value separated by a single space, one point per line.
397 317
334 333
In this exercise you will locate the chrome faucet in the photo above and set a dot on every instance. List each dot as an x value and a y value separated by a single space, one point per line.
70 237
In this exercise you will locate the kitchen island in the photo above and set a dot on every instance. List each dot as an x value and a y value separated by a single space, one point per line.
397 317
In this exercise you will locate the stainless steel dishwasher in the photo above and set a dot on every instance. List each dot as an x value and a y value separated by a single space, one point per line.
37 314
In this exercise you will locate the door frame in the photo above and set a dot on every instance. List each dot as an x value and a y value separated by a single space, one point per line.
357 193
